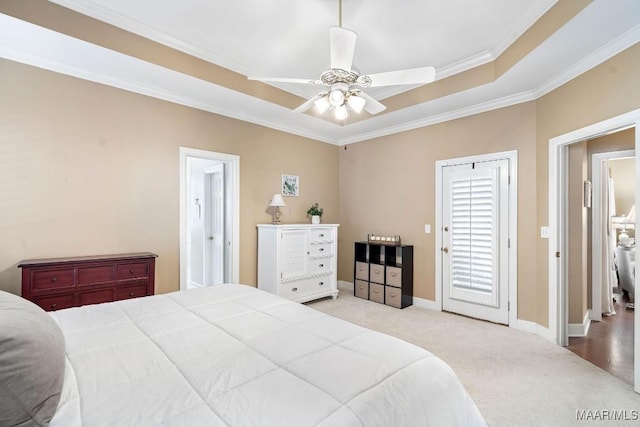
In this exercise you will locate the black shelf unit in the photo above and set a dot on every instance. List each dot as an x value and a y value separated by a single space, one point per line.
384 273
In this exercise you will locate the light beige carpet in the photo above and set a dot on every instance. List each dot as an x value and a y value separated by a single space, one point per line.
516 378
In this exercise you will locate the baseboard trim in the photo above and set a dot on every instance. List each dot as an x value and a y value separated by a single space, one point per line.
345 286
426 303
580 329
521 325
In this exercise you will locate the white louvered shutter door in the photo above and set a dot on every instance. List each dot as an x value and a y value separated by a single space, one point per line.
472 259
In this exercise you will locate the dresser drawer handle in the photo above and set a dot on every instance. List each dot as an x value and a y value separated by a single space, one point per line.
361 268
321 283
294 289
54 279
377 271
131 294
131 270
394 274
393 295
375 291
322 235
321 249
321 265
54 305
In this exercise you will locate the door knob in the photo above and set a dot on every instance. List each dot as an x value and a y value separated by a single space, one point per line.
446 229
445 250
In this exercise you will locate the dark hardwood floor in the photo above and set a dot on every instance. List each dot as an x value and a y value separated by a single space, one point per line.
609 343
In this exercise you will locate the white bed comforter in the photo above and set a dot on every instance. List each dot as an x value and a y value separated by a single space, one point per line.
234 355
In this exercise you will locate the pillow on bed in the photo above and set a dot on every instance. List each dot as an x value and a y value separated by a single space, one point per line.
31 363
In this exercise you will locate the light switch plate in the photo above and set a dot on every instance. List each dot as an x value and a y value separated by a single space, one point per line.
427 228
544 232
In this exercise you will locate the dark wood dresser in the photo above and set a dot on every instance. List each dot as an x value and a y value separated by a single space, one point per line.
58 283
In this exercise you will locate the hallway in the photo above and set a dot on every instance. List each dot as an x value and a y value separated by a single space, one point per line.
609 343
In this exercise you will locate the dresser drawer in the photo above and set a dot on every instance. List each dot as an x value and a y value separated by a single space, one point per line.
97 274
376 273
300 288
127 292
394 276
361 289
362 271
320 234
48 279
393 296
96 297
320 265
376 292
133 270
57 302
320 249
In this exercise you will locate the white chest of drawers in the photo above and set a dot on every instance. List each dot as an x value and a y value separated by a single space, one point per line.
298 261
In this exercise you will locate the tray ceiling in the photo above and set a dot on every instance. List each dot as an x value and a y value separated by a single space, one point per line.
487 54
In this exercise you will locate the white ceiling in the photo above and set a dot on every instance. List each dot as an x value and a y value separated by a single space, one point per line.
289 38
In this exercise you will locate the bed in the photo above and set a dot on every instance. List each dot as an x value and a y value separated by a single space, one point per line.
229 355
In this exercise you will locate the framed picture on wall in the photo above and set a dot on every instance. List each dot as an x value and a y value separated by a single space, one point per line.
290 185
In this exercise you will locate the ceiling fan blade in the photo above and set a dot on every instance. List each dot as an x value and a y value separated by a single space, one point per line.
342 43
287 80
307 104
400 77
372 106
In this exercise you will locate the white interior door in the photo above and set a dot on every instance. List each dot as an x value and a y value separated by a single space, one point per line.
214 225
475 240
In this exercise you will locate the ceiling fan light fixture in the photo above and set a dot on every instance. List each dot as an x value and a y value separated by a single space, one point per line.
341 112
356 103
322 104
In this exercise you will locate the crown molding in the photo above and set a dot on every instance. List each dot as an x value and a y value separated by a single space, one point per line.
592 60
471 110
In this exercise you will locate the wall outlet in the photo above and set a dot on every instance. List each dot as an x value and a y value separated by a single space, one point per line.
544 232
427 228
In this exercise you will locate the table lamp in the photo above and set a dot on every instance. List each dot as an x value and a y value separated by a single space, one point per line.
277 202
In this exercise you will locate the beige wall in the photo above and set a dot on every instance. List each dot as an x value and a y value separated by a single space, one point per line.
623 172
606 91
89 169
388 188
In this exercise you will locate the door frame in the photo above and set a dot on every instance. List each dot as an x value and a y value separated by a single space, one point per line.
596 222
512 156
232 188
558 301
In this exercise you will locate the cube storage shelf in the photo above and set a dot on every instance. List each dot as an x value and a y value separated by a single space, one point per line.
384 273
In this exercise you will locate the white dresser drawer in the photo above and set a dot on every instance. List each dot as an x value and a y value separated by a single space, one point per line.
320 235
320 265
300 288
320 249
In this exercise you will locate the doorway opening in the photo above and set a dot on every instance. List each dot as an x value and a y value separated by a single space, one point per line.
209 218
600 323
558 225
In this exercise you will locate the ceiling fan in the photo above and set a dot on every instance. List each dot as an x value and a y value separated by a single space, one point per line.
343 84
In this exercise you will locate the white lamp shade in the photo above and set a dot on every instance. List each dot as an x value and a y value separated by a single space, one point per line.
356 103
336 97
322 104
341 112
277 200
